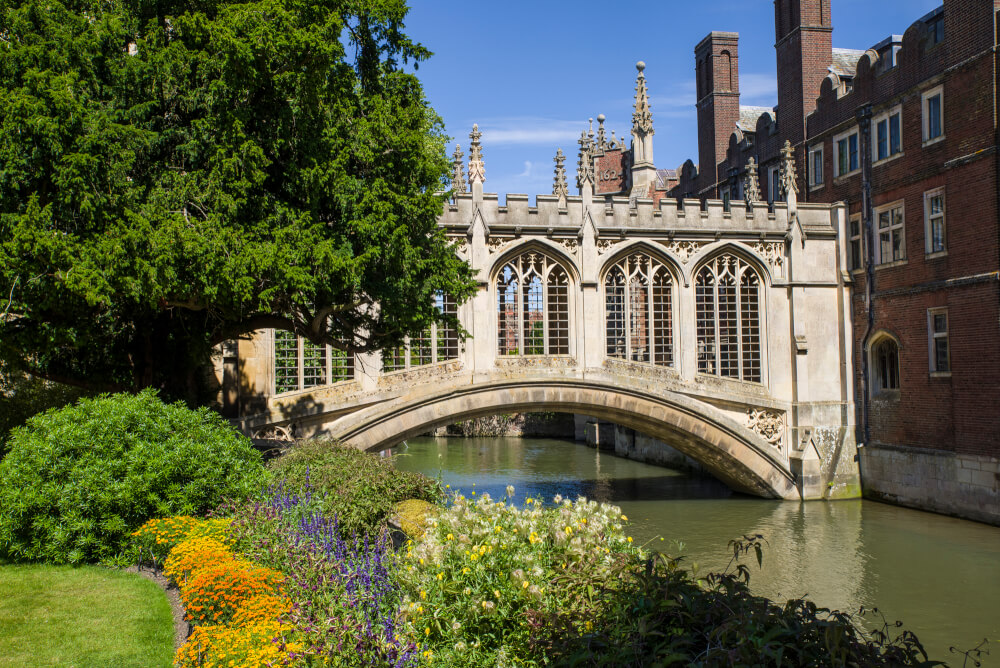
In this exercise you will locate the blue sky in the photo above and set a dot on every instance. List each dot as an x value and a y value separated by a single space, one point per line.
532 73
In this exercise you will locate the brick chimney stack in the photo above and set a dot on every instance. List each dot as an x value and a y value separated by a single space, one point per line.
804 46
717 76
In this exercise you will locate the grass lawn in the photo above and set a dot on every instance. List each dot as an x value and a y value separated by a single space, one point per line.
87 616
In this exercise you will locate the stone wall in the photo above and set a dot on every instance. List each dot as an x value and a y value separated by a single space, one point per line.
540 425
954 484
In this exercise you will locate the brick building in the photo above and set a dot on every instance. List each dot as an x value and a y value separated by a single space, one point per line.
905 133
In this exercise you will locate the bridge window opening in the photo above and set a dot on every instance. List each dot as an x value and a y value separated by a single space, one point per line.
727 305
532 307
638 293
300 364
438 343
886 367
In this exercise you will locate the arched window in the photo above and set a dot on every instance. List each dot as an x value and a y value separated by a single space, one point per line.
727 298
532 306
638 298
885 366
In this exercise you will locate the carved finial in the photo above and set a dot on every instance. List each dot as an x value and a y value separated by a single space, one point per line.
751 183
559 187
585 166
477 170
458 174
602 139
787 177
590 132
642 118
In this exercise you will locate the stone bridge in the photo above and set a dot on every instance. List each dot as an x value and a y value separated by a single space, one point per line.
721 328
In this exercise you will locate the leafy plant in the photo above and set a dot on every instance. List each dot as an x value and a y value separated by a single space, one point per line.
359 489
79 480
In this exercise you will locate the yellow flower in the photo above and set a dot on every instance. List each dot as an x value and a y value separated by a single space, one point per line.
473 557
624 518
529 500
440 576
629 539
524 585
427 631
423 594
588 625
466 571
421 561
569 530
451 537
496 592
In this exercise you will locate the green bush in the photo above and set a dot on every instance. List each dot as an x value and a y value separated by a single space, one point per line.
361 489
78 480
22 396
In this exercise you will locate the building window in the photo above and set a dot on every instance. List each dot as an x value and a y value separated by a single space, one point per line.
934 222
816 165
891 246
727 302
936 29
885 366
888 135
726 195
638 299
532 306
933 114
845 147
854 244
773 185
300 364
937 331
438 343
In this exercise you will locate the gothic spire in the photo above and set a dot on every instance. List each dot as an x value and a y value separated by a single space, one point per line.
602 139
458 174
787 176
477 169
642 118
559 187
751 183
585 165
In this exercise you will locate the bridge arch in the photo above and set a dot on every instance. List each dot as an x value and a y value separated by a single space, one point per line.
737 456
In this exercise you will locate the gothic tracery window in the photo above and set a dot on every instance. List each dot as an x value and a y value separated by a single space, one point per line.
532 293
727 301
638 297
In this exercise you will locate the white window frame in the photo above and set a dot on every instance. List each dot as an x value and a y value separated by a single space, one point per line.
836 153
925 115
816 179
901 226
929 223
859 239
933 336
887 117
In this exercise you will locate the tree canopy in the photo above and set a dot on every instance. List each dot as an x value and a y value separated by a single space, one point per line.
176 173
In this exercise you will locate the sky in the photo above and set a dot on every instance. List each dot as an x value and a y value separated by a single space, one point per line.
531 73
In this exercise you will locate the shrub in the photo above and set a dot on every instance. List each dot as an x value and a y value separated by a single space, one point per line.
360 489
482 566
79 480
22 396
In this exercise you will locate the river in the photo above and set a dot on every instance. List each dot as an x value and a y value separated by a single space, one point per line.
939 575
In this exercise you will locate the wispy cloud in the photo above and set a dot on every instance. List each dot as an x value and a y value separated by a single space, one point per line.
530 131
526 174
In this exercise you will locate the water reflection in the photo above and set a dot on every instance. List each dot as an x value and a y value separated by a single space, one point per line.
941 576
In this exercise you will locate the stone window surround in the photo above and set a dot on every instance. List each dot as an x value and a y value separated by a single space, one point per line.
671 314
928 219
901 226
836 153
887 116
878 340
925 115
933 336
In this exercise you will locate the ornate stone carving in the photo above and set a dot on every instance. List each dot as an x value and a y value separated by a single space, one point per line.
642 118
604 245
559 187
774 253
419 375
570 245
602 138
751 184
477 169
536 362
787 176
497 244
769 425
275 433
683 250
585 164
458 176
461 245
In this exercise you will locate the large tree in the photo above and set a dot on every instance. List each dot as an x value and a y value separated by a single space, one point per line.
176 173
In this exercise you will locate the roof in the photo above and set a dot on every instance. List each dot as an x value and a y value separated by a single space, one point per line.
749 116
665 176
845 62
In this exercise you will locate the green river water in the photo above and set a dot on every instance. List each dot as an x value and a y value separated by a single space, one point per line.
939 575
